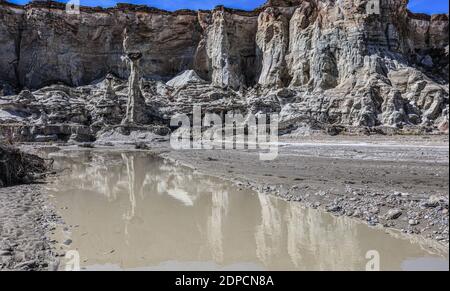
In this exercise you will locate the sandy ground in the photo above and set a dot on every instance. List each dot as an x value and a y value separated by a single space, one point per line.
400 183
26 220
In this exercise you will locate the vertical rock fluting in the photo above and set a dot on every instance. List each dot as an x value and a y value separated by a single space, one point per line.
272 40
300 32
229 45
226 71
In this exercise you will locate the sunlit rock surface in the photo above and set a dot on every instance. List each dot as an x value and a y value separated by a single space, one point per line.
320 64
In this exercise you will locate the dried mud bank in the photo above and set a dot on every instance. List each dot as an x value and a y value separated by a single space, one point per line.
399 183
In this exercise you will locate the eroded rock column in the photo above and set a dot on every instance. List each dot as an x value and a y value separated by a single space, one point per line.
272 40
135 113
225 71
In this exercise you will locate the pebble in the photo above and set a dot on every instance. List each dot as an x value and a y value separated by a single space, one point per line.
334 208
432 202
413 222
5 253
393 214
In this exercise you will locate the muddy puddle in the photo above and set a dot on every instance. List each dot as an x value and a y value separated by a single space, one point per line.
131 211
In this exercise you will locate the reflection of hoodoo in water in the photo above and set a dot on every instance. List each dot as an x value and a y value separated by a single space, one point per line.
268 234
136 178
219 210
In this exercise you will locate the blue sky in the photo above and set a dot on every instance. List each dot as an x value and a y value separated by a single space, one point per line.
424 6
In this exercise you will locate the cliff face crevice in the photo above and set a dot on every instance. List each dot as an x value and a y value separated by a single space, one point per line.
335 61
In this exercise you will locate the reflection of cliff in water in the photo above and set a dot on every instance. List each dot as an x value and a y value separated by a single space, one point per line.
111 174
143 211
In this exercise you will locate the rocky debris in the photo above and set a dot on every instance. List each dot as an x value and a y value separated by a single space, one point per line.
432 202
17 167
413 222
375 207
132 135
263 104
106 110
43 119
